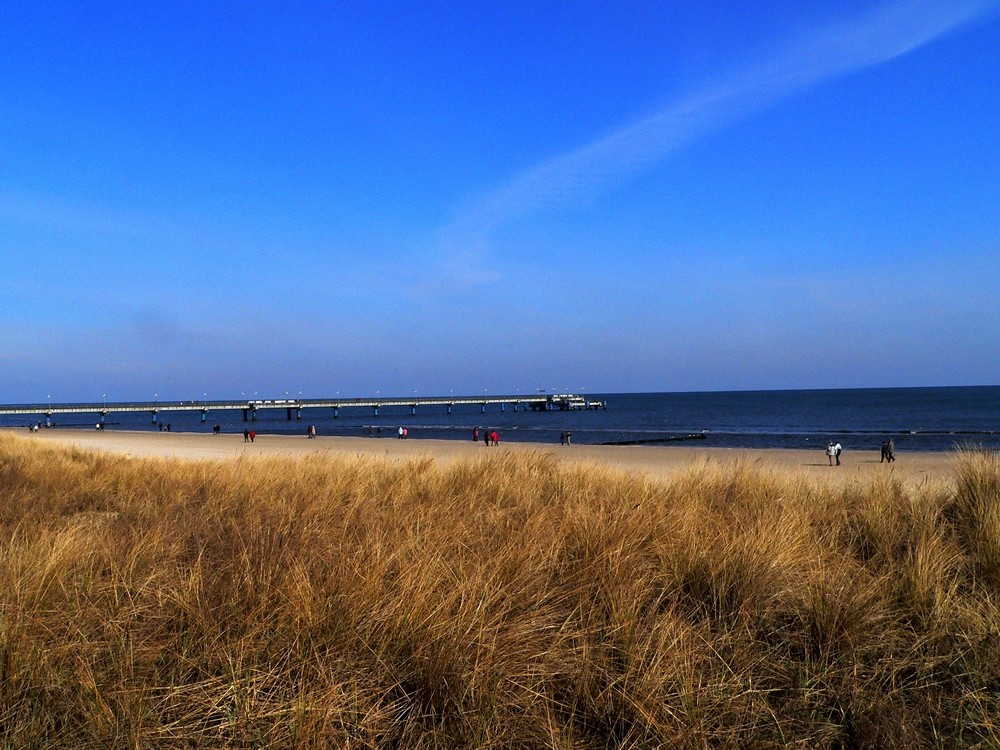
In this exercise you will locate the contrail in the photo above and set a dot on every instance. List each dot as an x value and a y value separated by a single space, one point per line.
883 34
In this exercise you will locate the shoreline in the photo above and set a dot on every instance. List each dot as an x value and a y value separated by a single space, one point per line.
654 461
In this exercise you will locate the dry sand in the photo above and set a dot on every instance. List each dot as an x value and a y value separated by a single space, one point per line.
653 461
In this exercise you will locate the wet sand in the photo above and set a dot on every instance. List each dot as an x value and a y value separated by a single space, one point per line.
652 461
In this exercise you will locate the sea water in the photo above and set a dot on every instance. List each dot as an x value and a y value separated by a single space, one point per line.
860 419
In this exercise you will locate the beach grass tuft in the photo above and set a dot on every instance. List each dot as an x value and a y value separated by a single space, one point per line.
502 602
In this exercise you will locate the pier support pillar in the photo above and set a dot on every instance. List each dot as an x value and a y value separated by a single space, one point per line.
502 405
154 416
515 406
245 415
298 413
288 413
483 409
204 414
336 412
413 410
103 415
375 410
449 408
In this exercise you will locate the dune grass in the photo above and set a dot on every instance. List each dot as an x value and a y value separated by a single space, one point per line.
505 602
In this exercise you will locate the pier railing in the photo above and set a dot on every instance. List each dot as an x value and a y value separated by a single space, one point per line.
294 407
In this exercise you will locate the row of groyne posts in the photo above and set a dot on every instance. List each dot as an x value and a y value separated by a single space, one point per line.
294 407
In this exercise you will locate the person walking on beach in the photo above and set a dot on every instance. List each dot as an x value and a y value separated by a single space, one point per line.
836 453
253 434
400 433
831 452
888 451
495 438
475 434
246 435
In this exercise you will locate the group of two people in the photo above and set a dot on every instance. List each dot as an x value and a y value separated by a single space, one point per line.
833 452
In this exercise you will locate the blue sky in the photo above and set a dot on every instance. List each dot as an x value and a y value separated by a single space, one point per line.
361 197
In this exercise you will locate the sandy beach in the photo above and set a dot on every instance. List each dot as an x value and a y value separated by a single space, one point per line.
658 461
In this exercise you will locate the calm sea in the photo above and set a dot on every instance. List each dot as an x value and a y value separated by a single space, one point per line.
916 418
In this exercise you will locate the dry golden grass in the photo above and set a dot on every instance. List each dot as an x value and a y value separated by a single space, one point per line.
505 602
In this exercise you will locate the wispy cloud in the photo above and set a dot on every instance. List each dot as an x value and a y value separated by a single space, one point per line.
578 176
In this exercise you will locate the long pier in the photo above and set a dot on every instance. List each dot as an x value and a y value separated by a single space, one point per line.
295 406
